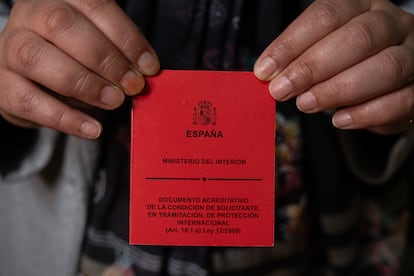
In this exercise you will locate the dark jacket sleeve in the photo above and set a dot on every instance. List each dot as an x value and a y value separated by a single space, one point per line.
375 158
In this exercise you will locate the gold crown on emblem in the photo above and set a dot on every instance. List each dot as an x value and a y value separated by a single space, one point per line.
205 104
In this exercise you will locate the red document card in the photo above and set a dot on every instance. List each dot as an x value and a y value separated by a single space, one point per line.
202 161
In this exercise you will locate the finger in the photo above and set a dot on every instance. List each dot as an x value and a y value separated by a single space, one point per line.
359 39
387 71
17 121
24 100
389 113
74 34
40 61
320 19
124 34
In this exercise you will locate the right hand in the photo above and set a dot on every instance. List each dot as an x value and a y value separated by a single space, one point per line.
88 53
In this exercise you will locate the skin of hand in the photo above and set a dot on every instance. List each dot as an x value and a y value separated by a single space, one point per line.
87 52
353 58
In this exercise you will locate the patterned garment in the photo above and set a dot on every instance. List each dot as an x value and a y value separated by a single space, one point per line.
328 222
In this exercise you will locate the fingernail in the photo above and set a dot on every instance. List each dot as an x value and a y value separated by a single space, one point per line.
265 68
111 96
132 82
148 63
90 129
342 119
306 101
281 88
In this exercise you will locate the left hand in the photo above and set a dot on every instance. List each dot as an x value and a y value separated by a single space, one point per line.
354 57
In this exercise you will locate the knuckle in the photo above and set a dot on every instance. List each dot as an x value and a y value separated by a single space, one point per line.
372 111
90 6
396 66
285 49
59 121
329 12
333 91
304 73
81 85
58 18
25 104
109 65
361 34
23 50
131 45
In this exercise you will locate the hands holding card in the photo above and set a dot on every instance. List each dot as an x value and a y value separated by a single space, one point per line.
201 163
89 53
355 57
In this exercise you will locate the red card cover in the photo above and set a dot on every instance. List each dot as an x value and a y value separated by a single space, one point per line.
202 161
